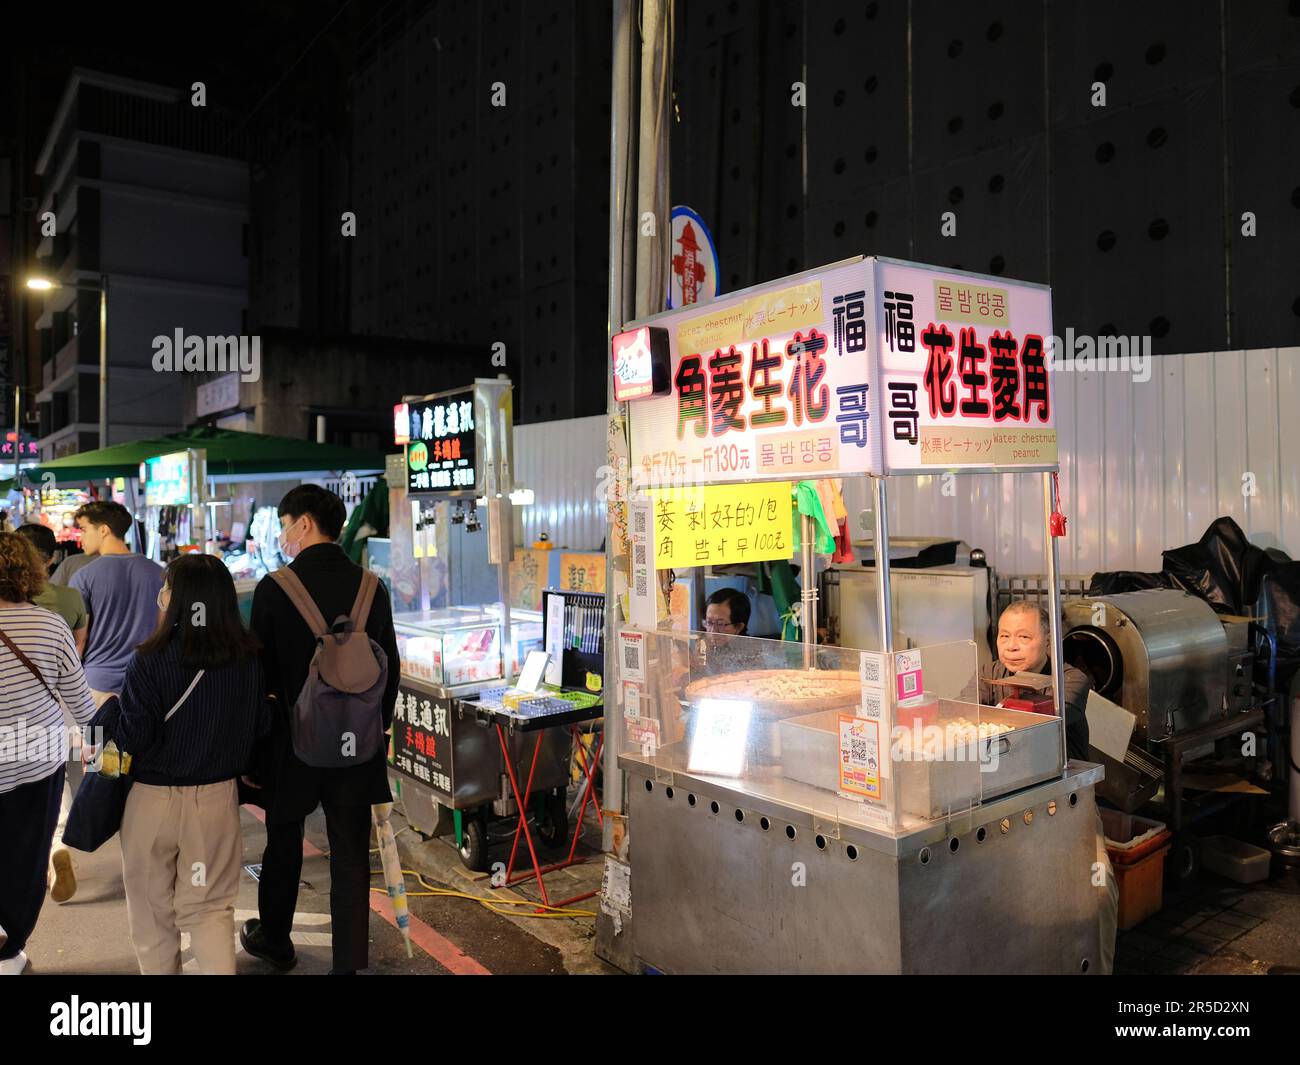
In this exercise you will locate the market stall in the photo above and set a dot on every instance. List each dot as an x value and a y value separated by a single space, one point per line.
798 807
55 507
470 745
232 480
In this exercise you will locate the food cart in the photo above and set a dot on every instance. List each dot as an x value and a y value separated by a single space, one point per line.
467 747
801 808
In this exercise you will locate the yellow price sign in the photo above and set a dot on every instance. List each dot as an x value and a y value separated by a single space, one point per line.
719 524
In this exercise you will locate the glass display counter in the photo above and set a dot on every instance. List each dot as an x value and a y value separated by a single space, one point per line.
833 809
450 648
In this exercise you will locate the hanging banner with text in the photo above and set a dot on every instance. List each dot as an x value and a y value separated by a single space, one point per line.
964 381
871 366
722 524
772 384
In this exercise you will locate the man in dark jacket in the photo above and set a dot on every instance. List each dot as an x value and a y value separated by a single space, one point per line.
1024 646
311 519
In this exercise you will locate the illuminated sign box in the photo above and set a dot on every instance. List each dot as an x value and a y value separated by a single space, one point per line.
441 448
868 366
167 480
641 363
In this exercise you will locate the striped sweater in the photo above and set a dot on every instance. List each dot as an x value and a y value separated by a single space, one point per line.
33 734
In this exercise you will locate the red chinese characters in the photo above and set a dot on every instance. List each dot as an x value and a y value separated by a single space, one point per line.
717 396
761 366
810 398
726 391
939 385
692 401
971 358
1014 386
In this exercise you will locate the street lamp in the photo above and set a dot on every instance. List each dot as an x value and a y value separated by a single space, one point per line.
46 284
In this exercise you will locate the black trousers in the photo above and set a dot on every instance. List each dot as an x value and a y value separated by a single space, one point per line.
348 828
28 816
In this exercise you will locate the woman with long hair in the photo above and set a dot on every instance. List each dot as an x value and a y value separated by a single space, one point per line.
39 668
192 707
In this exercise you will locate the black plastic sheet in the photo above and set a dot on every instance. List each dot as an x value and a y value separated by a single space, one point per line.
1233 576
1223 568
1125 580
1280 599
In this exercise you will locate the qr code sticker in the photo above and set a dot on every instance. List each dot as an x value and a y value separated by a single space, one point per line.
870 669
631 656
642 585
639 554
909 684
872 705
640 523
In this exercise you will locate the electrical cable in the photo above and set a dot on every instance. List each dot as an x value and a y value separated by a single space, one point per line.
491 904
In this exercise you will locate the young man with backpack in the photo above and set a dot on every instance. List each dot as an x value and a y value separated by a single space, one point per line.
330 656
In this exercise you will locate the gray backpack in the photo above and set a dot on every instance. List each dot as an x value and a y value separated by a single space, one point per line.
338 718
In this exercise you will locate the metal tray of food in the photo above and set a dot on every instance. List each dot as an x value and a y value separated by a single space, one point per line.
976 770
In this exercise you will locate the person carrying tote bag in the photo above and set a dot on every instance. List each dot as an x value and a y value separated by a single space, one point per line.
191 709
100 802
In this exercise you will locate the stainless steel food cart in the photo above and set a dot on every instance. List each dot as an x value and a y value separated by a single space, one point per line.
455 777
769 835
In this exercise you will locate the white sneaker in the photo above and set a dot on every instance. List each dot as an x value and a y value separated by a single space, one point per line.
15 965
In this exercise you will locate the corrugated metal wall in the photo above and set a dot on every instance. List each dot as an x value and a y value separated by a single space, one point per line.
560 461
1144 467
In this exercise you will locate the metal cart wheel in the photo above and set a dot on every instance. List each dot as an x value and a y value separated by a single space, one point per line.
553 820
474 845
1184 856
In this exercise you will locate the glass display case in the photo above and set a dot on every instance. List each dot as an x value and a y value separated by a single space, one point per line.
450 648
525 634
888 743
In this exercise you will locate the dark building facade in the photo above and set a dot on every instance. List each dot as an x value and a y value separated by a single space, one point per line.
1131 211
472 145
478 224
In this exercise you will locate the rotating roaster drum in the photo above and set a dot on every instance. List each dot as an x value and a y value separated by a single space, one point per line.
1092 650
1160 653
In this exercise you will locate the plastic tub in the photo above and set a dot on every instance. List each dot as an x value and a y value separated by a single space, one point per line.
1128 836
1236 860
1136 847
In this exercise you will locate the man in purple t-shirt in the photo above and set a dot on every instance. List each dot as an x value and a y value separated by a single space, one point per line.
120 589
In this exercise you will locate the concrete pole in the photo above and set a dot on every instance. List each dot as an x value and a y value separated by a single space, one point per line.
652 158
622 264
103 361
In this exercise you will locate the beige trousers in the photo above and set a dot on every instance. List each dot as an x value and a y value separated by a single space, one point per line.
181 850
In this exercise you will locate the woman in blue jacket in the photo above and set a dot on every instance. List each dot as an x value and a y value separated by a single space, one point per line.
192 707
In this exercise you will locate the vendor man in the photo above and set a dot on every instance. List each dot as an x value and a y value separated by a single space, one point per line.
1024 642
726 615
1024 638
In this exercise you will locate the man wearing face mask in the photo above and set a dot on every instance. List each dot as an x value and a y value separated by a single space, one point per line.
311 519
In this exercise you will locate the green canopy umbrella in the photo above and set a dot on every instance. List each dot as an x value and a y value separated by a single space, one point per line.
230 453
